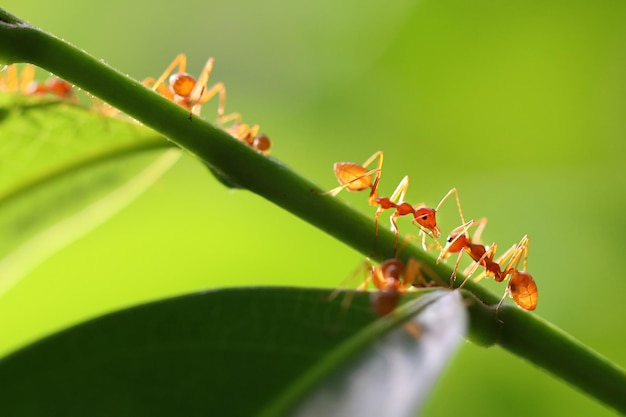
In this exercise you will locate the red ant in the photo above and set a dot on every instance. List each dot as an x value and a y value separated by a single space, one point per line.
521 286
184 90
251 136
391 278
191 94
27 85
355 177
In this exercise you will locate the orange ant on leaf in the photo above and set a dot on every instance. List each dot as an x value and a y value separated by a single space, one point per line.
521 285
355 177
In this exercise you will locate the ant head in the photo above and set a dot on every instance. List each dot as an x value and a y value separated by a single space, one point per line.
426 217
353 176
523 290
456 242
182 84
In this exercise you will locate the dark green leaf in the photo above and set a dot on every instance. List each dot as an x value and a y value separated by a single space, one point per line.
230 352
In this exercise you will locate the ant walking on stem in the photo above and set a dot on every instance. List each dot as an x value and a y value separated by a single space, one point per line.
185 90
251 136
521 285
355 177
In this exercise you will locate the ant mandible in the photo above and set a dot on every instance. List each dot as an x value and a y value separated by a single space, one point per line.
188 92
355 177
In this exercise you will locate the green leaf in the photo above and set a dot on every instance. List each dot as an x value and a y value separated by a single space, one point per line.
230 352
65 169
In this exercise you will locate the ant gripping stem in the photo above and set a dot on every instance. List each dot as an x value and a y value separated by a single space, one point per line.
185 91
521 285
355 177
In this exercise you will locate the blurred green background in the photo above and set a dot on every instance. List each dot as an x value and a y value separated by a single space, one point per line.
520 105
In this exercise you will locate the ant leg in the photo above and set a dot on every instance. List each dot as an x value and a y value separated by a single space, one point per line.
247 134
527 243
343 185
481 224
400 191
401 209
455 271
219 89
458 232
379 168
180 61
238 131
379 211
252 131
203 79
405 242
231 117
416 273
374 276
26 81
198 95
11 78
363 267
522 248
458 203
394 229
413 274
506 291
506 255
505 271
377 154
516 255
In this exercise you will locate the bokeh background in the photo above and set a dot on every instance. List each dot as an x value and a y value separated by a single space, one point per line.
520 105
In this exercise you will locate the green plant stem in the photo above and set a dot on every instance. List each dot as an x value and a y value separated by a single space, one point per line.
522 333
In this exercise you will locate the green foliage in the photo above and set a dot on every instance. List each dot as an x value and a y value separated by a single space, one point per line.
237 352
